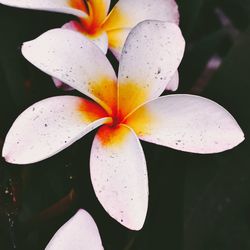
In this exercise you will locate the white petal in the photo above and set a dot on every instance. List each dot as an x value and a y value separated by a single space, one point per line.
128 13
49 126
119 175
59 84
79 233
150 58
75 60
116 40
61 6
100 39
187 123
173 83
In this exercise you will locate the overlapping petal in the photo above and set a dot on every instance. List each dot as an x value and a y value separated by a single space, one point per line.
61 6
76 61
128 13
79 233
187 123
173 84
116 40
98 10
61 85
100 39
119 175
49 126
105 3
150 58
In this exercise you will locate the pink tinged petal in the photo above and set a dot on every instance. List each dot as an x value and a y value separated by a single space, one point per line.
71 25
116 39
79 233
128 13
61 6
61 85
119 175
187 123
150 58
75 60
49 126
173 83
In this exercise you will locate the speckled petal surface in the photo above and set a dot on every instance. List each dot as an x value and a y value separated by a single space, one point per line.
116 39
187 123
76 61
119 175
150 58
62 6
128 13
100 39
49 126
78 233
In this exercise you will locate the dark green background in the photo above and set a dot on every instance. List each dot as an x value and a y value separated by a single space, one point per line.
197 202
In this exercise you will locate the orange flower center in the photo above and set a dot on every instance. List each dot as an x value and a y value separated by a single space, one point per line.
96 11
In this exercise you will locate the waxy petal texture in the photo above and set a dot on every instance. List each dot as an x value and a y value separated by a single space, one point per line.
187 123
61 6
79 233
49 126
173 84
116 39
100 39
61 85
119 175
76 61
128 13
150 58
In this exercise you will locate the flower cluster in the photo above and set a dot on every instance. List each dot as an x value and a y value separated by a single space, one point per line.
126 108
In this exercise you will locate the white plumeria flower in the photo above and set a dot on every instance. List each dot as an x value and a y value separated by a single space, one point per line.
106 30
127 107
79 233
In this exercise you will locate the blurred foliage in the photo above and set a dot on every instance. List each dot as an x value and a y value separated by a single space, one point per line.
197 202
